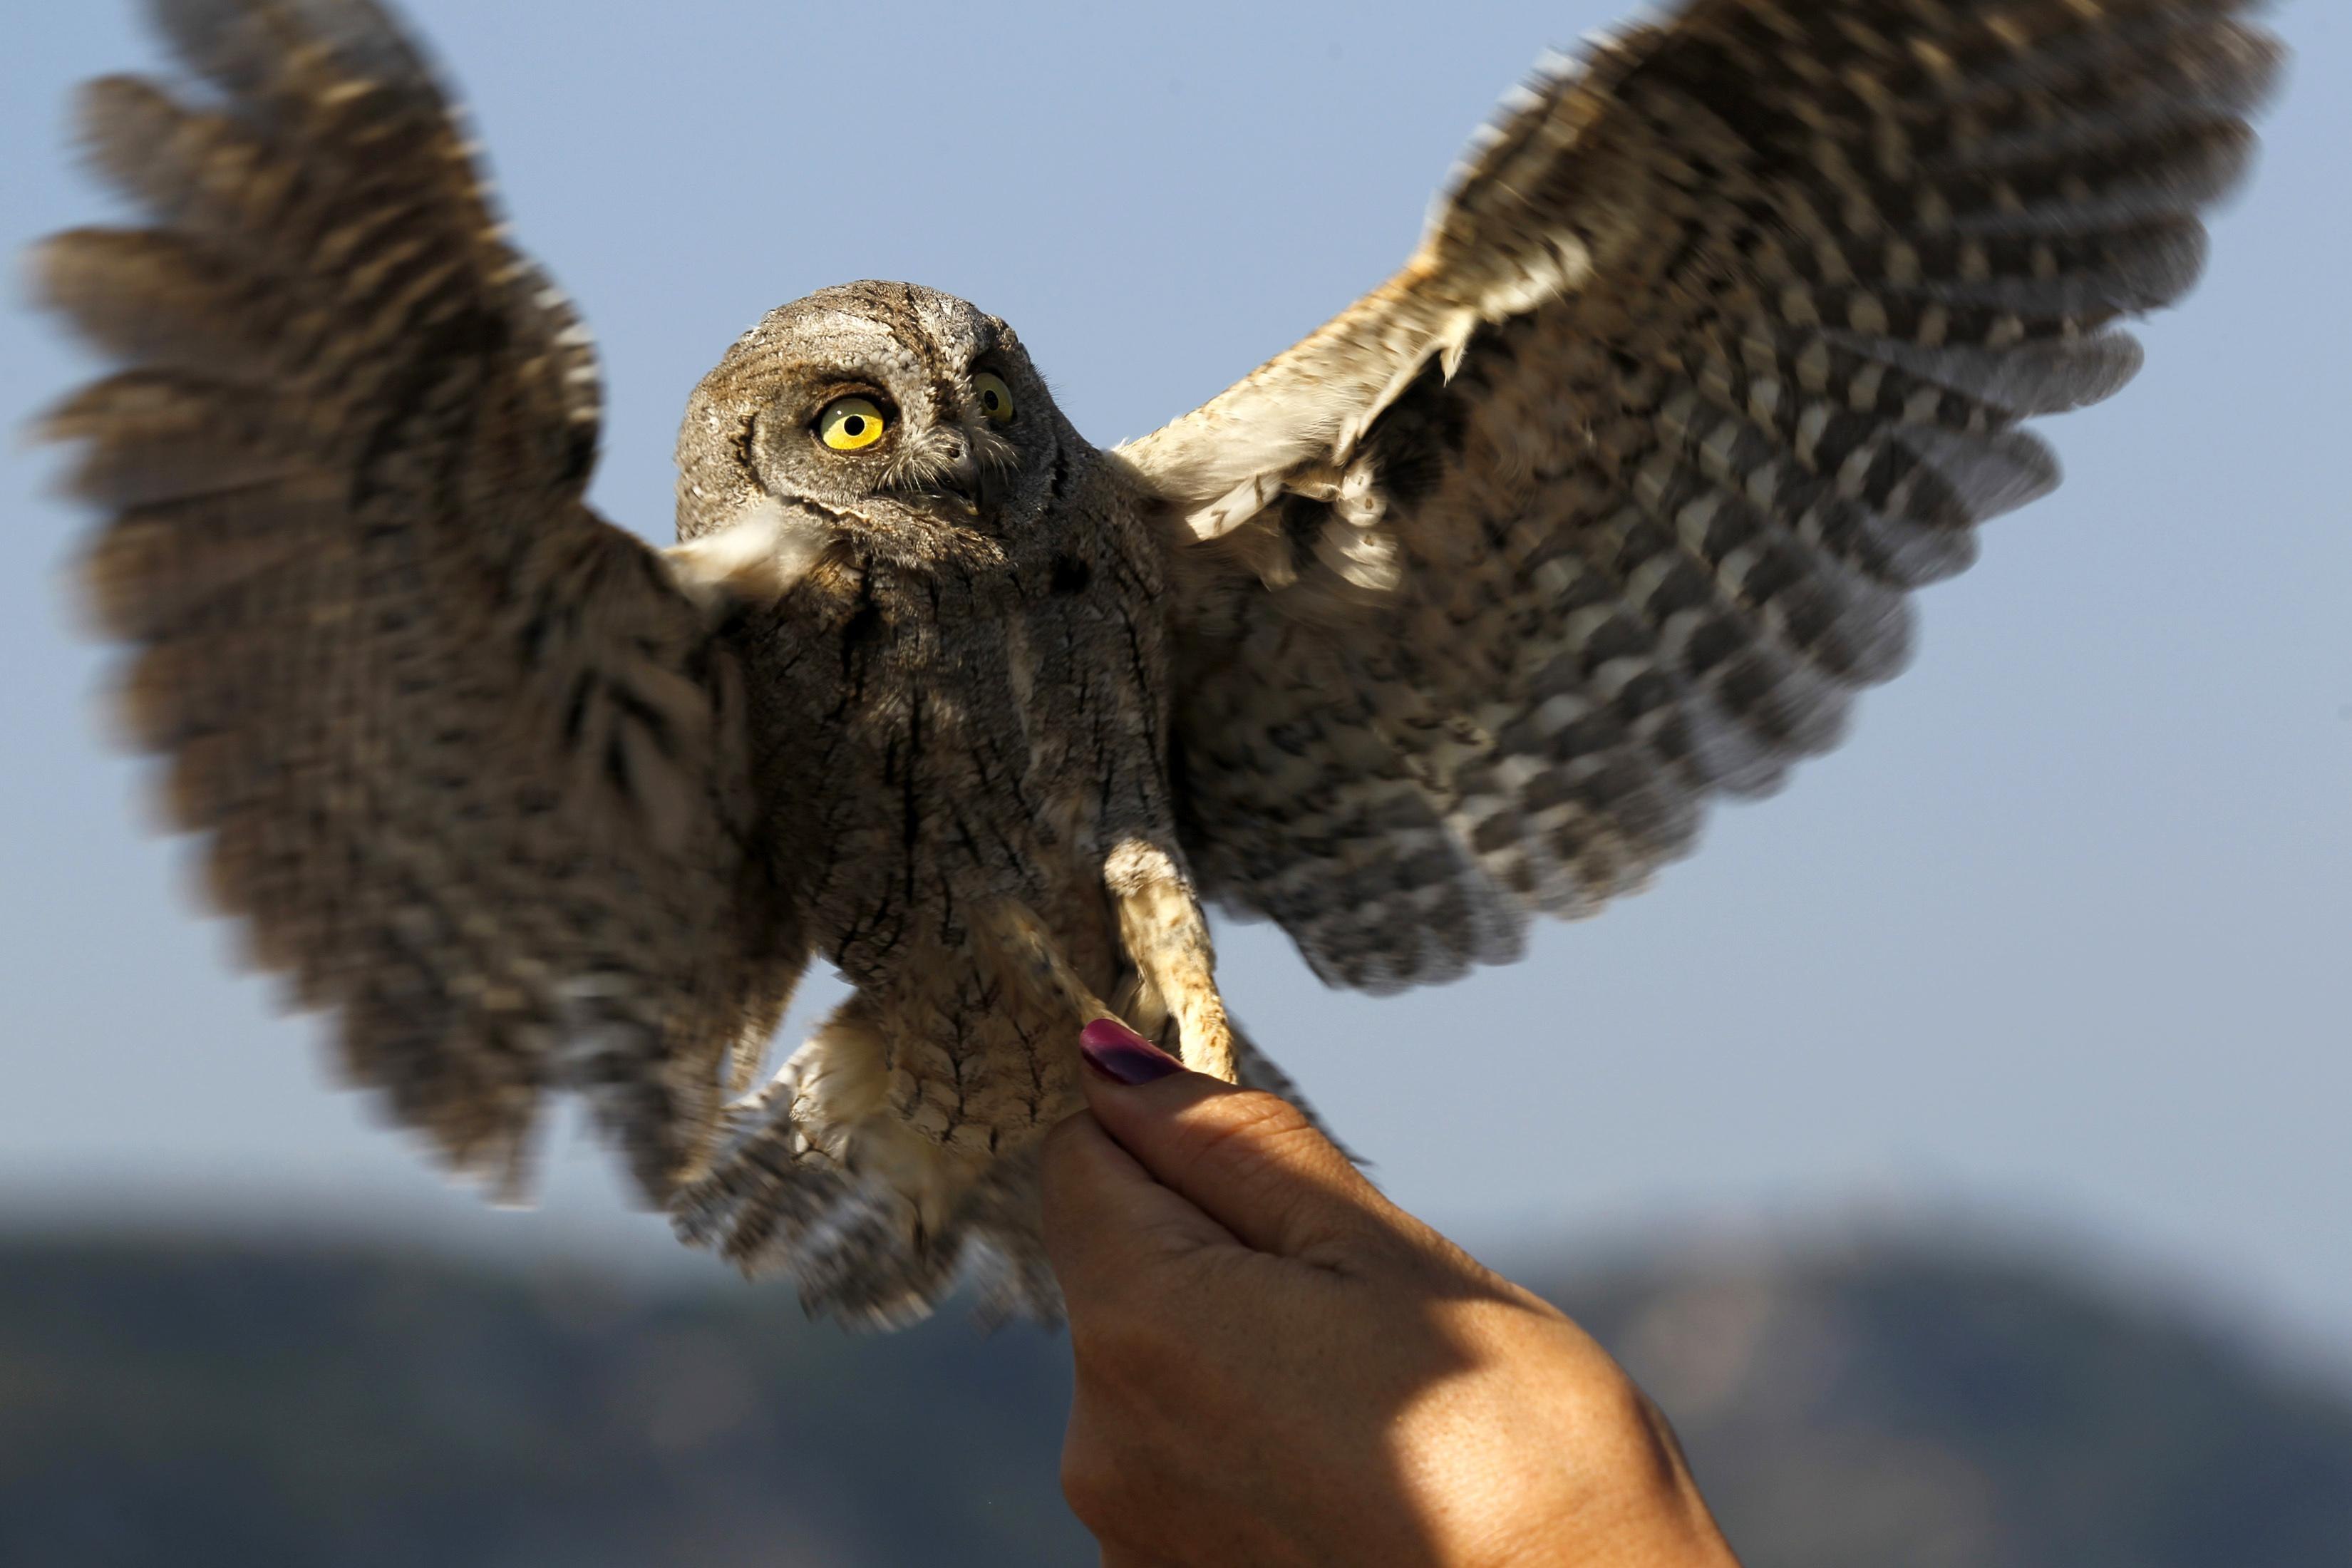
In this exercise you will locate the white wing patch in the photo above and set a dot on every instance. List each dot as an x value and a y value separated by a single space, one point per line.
757 559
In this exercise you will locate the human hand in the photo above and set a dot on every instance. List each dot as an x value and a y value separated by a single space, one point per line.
1276 1365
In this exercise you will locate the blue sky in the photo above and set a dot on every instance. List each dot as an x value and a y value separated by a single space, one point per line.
2061 938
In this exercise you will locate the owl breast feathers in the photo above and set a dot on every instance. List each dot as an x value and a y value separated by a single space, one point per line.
1459 612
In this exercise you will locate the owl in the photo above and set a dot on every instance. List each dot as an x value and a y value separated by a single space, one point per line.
1459 613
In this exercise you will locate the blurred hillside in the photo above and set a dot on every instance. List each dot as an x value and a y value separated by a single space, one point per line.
200 1403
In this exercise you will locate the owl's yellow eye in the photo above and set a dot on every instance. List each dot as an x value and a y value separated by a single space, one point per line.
996 397
850 425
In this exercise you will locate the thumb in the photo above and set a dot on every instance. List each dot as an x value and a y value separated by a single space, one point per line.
1249 1161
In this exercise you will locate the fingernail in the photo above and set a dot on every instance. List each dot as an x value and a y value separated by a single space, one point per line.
1122 1055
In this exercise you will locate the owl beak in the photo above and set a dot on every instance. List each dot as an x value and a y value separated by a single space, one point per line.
962 484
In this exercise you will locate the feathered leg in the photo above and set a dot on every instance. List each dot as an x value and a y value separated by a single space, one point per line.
1167 939
896 1153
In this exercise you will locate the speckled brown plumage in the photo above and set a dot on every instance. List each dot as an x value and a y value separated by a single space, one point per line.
453 735
1611 500
1457 613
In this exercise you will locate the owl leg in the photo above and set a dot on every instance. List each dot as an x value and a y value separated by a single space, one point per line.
1167 940
824 1116
1027 958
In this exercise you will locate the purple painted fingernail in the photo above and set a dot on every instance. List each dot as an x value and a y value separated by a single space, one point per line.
1122 1055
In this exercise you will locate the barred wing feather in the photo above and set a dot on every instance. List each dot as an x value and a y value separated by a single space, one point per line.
1610 502
467 758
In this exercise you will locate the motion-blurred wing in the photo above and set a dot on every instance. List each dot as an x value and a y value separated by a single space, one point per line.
467 756
1612 498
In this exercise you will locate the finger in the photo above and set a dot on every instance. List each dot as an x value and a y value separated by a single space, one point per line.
1108 1226
1249 1161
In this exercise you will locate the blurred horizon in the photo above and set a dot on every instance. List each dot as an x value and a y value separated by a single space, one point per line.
585 1228
2053 948
201 1401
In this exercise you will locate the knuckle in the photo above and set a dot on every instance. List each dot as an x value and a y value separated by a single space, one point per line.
1269 1112
1245 1126
1269 1156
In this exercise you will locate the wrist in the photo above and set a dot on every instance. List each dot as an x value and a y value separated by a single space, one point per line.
1538 1451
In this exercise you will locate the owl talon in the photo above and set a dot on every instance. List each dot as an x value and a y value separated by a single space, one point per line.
1161 923
1211 1051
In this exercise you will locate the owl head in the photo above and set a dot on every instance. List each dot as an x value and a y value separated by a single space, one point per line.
886 411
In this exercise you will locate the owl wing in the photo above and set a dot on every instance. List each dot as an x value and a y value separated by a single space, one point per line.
468 759
1614 498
